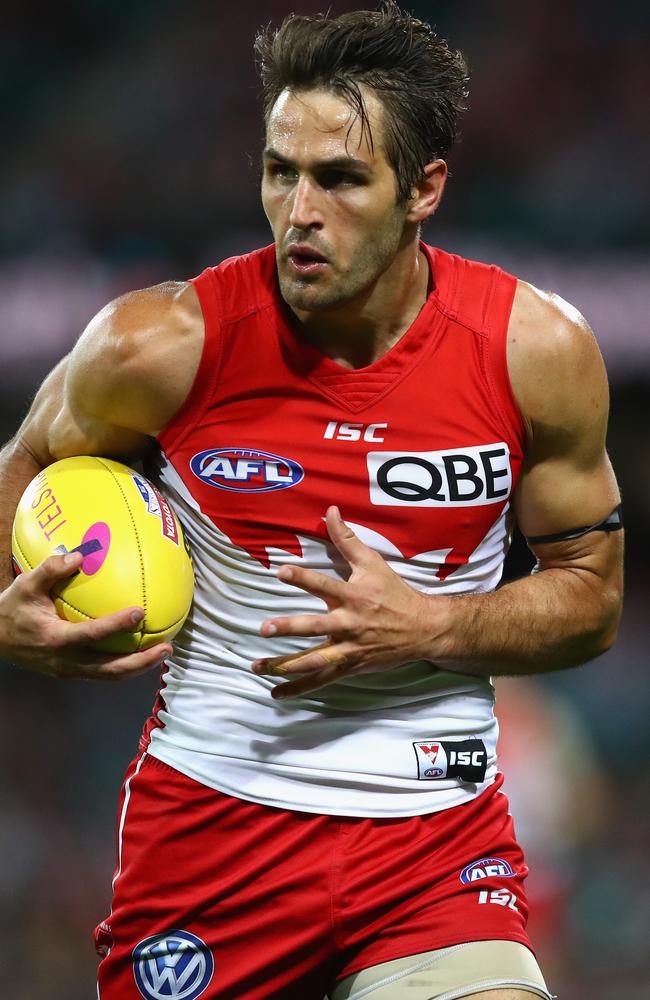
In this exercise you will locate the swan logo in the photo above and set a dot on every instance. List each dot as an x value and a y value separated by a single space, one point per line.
175 965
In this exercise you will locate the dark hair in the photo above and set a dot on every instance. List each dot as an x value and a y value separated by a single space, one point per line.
421 82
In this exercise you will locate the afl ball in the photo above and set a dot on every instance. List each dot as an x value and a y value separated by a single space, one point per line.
131 541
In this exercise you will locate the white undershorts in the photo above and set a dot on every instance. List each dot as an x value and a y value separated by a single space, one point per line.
449 974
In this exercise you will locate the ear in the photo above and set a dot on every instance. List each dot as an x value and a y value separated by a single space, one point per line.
428 193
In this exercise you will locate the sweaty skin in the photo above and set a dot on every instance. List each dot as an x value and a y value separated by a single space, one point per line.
326 189
129 372
329 196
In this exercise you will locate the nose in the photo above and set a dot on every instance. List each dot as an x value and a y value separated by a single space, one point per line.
305 212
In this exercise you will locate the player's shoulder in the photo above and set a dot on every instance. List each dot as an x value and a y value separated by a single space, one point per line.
145 343
552 354
148 337
547 324
144 320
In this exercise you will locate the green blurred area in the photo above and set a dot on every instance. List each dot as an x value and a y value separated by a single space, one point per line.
130 123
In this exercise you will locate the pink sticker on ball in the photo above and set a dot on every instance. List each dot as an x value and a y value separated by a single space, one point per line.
94 547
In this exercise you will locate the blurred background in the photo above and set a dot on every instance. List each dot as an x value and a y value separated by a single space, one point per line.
130 143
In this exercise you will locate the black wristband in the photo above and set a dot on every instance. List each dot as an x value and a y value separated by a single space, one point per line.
613 522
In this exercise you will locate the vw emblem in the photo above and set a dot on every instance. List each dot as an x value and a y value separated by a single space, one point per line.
175 965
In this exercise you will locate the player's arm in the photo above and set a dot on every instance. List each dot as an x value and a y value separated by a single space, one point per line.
568 611
564 614
129 372
126 377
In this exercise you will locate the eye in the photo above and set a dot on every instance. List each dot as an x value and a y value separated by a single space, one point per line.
280 171
338 178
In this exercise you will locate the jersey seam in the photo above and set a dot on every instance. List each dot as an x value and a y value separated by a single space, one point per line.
491 385
450 313
489 298
238 317
484 353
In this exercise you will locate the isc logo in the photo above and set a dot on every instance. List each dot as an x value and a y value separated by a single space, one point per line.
354 432
243 470
465 758
462 759
457 477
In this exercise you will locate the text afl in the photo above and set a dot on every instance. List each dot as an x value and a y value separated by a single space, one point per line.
486 868
246 470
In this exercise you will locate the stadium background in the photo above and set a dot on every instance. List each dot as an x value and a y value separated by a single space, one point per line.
130 136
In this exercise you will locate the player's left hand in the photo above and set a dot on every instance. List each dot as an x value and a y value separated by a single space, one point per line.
374 621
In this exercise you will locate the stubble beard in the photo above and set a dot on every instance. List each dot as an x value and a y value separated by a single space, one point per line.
336 287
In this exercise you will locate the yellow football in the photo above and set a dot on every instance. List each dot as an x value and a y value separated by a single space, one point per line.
132 544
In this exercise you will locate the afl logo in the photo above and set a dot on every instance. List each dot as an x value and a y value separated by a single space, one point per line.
175 965
486 868
243 470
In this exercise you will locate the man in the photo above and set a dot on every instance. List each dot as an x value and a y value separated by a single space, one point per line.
346 422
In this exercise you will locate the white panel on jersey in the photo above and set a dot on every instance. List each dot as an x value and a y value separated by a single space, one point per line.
347 749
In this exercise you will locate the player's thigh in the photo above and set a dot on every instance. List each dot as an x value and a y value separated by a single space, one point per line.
494 970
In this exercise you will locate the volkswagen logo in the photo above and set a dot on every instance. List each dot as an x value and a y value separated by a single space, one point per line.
175 965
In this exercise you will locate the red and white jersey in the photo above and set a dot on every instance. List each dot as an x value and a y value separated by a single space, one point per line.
421 452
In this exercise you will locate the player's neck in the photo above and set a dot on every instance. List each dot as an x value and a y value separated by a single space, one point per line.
362 331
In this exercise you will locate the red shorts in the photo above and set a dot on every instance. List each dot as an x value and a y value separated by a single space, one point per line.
219 897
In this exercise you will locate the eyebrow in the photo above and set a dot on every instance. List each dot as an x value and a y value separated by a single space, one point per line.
333 163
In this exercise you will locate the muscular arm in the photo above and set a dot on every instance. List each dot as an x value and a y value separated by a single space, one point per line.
568 611
565 613
126 377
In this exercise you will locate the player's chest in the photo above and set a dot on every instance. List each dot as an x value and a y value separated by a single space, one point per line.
283 460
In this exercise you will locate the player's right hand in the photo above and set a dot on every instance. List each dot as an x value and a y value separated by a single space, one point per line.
33 636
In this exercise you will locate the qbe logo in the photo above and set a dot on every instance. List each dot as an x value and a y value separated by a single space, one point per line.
175 964
486 868
457 477
245 470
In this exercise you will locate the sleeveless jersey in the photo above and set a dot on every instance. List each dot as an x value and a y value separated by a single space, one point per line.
421 451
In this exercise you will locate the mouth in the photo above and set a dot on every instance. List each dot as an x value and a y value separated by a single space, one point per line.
305 260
